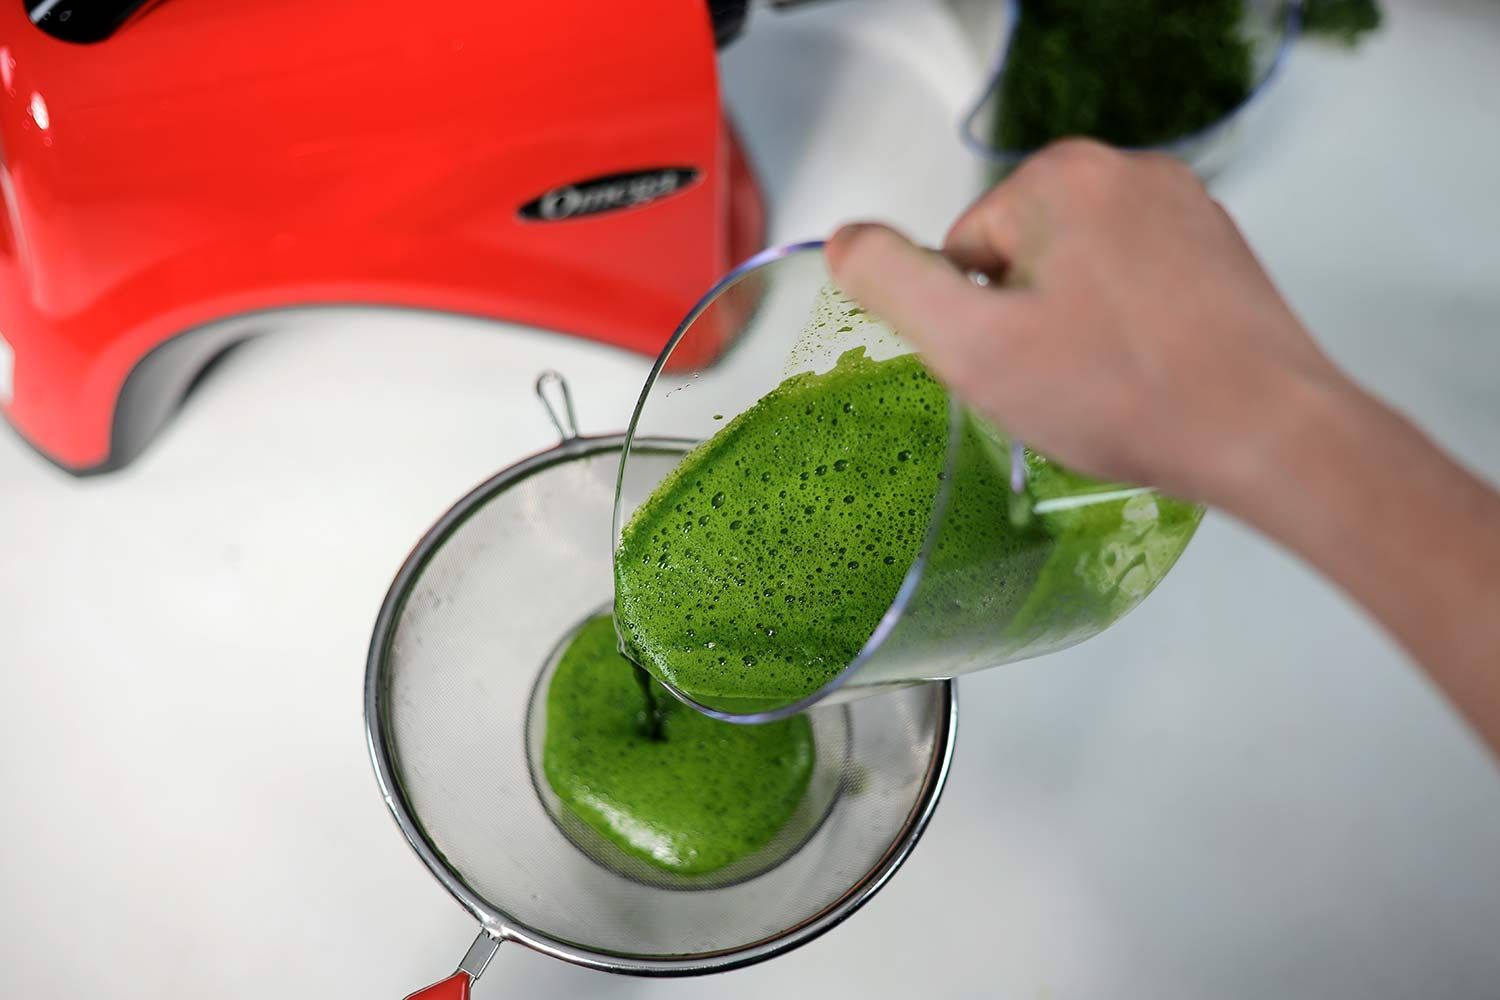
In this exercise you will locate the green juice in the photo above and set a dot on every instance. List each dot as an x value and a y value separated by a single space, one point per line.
698 795
757 570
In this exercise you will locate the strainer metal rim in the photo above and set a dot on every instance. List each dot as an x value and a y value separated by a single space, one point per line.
502 926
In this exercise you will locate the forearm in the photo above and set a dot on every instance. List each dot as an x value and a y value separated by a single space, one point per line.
1362 495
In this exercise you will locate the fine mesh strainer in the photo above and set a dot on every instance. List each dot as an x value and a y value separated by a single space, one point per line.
474 619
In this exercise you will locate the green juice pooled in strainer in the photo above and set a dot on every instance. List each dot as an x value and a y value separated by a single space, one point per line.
691 798
760 566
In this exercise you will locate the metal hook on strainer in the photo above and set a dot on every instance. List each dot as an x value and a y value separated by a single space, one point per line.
560 411
469 624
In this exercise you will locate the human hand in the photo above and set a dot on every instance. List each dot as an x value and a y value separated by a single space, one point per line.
1128 331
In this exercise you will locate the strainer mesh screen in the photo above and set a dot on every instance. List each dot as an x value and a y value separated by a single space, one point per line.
478 623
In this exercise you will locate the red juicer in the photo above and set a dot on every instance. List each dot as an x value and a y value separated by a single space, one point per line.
171 170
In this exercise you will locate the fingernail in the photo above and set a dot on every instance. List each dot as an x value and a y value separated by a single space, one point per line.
852 230
842 239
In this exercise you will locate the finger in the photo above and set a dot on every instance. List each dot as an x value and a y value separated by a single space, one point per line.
988 236
955 324
913 289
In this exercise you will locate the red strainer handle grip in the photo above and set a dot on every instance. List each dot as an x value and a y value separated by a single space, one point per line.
455 987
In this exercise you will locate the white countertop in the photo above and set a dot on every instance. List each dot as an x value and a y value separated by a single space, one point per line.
1242 791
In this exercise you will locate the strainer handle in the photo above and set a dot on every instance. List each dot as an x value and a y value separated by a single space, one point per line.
552 389
457 986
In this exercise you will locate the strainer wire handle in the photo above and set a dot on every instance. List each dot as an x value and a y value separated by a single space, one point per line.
549 384
458 985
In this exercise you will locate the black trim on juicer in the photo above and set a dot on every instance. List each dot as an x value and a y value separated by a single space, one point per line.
609 193
728 18
81 20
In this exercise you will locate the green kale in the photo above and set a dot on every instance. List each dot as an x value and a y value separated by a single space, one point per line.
1343 20
1129 72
